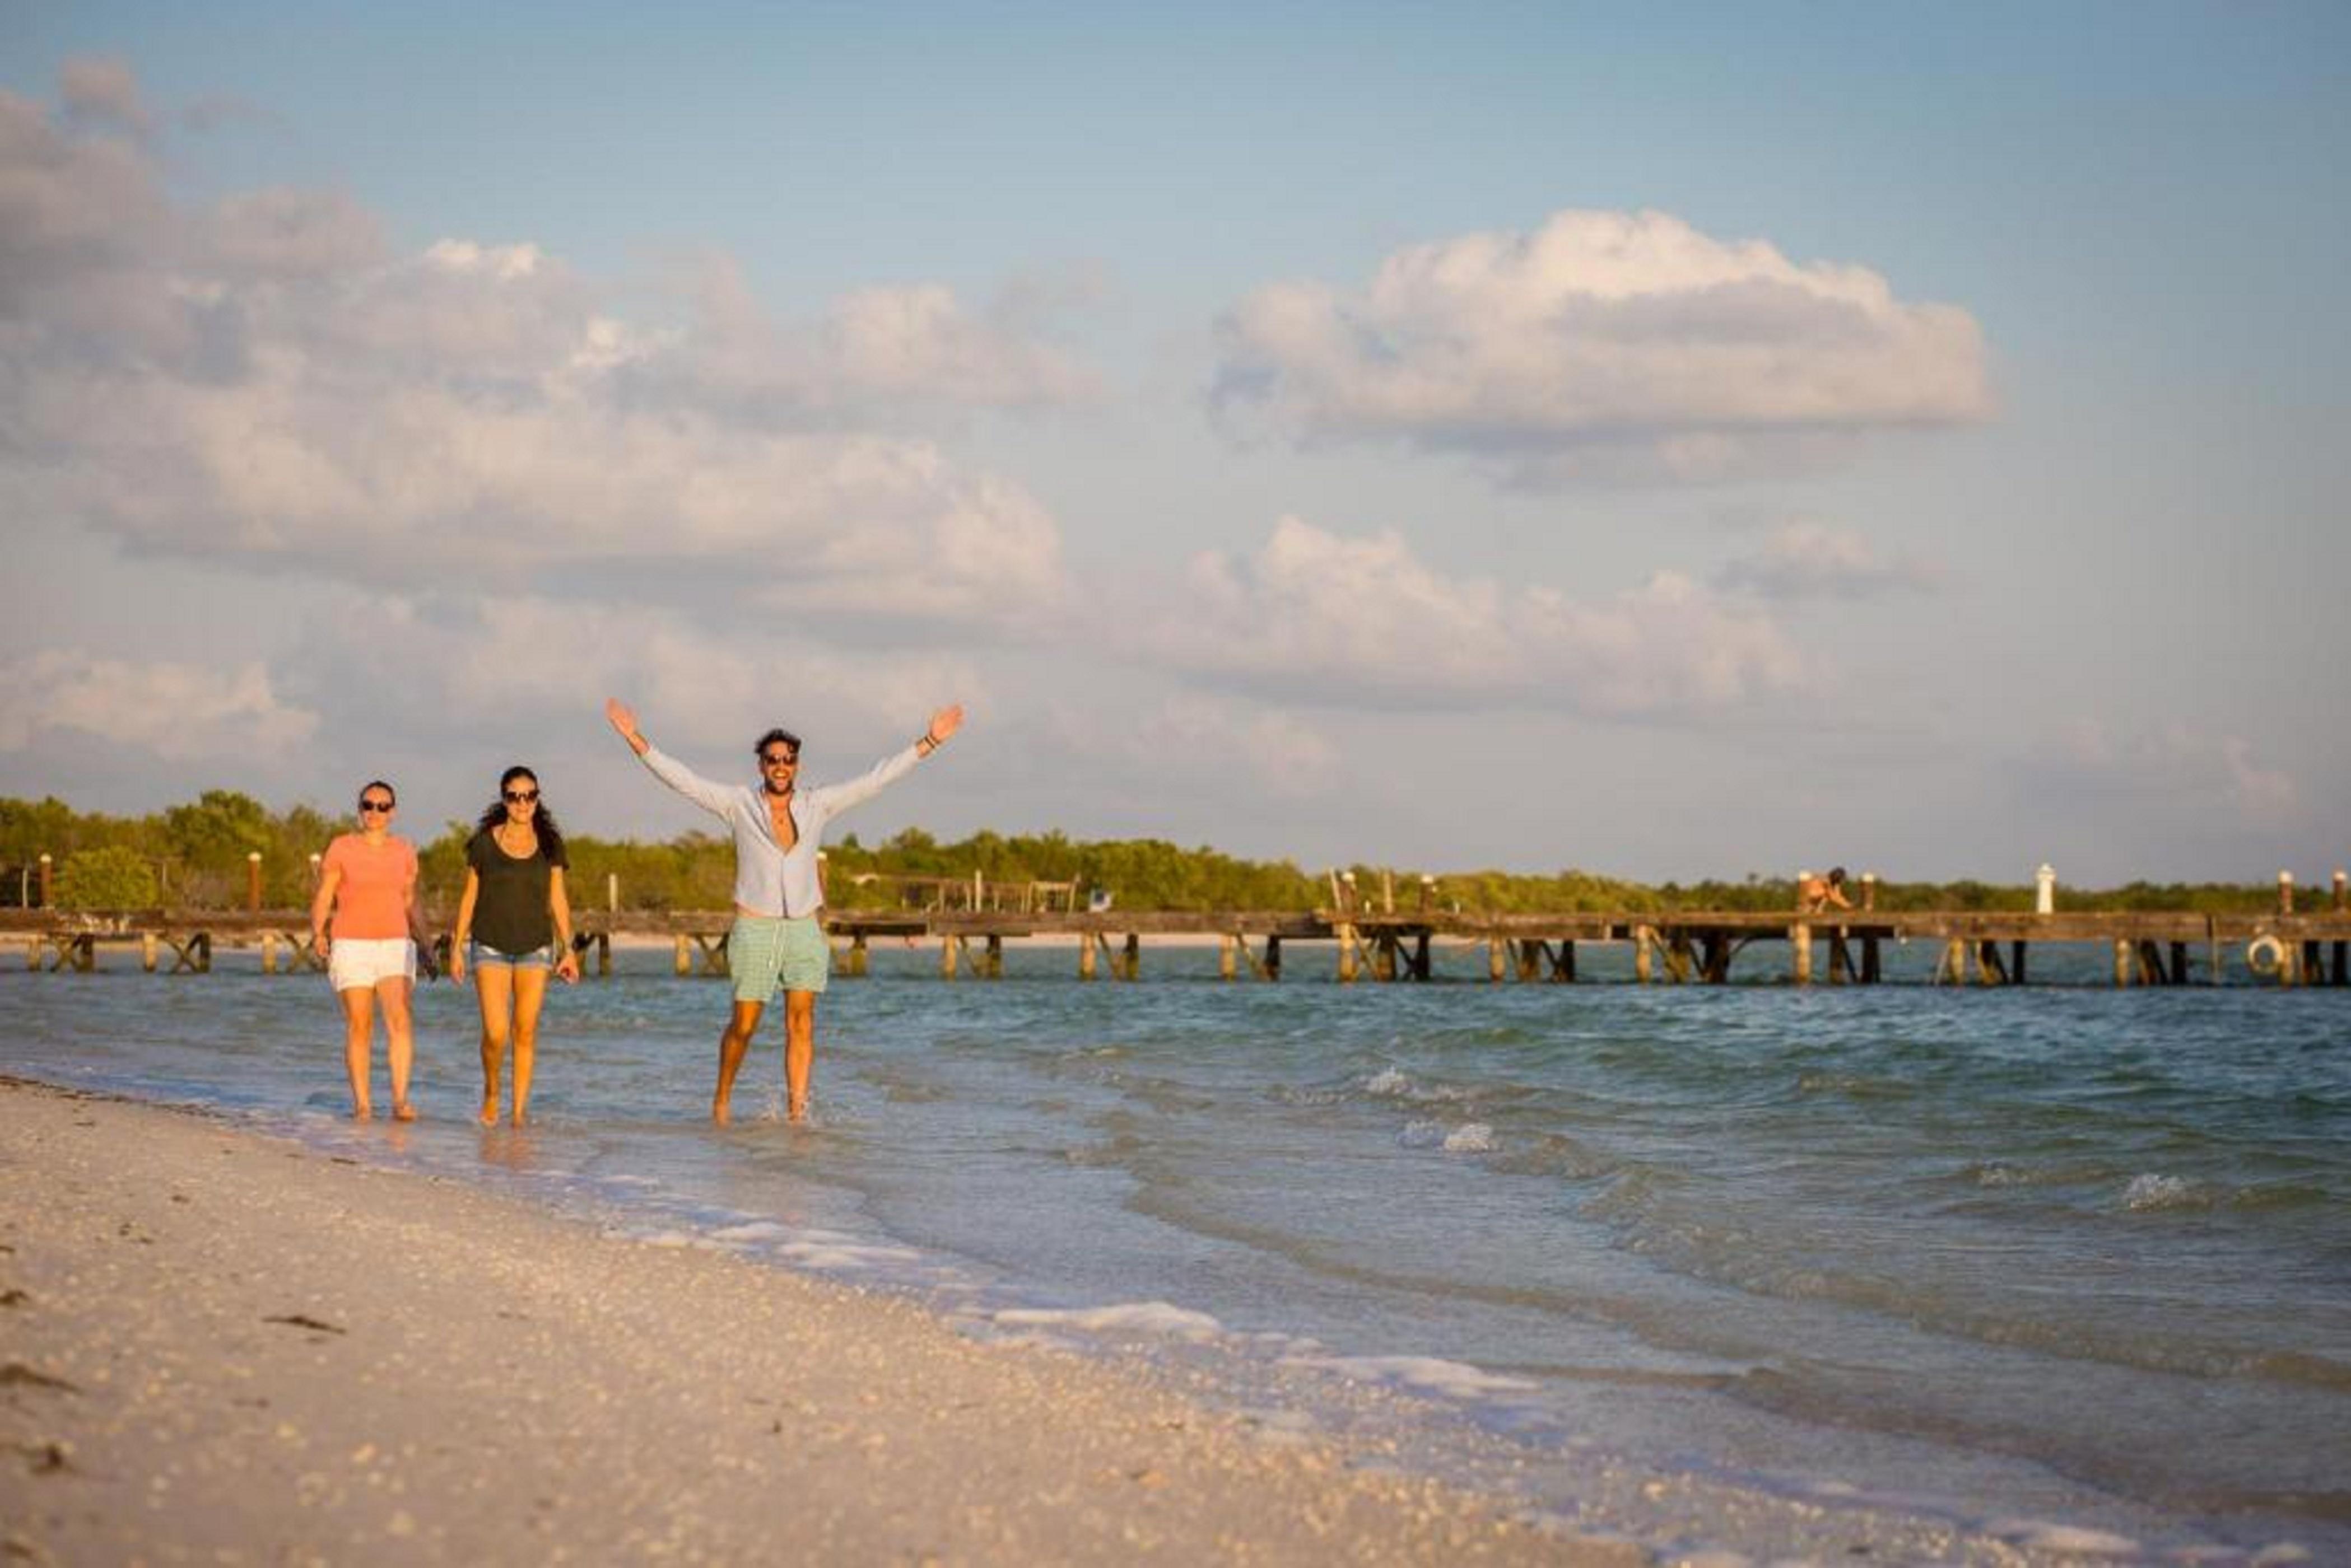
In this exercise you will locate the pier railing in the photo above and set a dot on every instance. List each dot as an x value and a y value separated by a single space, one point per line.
1840 947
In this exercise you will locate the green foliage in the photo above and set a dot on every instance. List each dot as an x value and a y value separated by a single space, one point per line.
109 877
194 855
218 831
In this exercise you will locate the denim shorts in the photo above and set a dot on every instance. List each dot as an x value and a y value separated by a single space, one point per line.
764 952
476 955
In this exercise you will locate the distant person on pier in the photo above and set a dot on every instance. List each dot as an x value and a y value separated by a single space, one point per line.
514 926
366 883
1816 894
777 938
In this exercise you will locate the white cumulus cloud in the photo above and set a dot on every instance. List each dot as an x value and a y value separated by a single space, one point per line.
177 710
1602 342
1813 560
264 382
1319 617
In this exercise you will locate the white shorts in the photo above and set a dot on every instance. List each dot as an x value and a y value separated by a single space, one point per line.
357 963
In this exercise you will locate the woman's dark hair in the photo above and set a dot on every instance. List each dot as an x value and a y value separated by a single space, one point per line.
550 837
378 783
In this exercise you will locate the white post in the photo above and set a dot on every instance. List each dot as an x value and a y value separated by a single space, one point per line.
2044 889
611 892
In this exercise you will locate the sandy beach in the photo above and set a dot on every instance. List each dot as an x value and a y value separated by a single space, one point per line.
223 1348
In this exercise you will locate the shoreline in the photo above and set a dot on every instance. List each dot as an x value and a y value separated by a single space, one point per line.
224 1342
228 1342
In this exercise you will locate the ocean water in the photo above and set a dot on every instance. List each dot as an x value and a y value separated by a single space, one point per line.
2065 1263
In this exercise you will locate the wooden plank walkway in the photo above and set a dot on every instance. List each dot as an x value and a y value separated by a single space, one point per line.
1840 947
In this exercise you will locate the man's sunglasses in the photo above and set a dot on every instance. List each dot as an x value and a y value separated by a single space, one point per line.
778 759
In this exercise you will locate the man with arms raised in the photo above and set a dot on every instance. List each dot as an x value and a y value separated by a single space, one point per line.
777 938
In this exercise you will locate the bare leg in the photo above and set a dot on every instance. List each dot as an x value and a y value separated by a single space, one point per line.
495 984
799 1051
740 1026
358 1027
529 995
399 1042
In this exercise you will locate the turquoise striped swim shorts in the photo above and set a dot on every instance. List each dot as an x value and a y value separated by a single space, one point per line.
765 952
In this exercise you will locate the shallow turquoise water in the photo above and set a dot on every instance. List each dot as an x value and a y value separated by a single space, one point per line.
2062 1252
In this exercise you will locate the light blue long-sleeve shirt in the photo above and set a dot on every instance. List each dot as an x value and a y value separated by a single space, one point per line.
768 878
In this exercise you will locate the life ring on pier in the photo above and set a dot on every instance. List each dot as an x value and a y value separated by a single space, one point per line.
2265 956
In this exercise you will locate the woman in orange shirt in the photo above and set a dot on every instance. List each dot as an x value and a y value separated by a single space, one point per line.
368 880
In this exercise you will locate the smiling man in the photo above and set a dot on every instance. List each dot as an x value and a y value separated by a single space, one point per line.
778 938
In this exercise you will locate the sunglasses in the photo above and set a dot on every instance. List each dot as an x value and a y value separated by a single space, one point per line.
779 759
522 797
375 805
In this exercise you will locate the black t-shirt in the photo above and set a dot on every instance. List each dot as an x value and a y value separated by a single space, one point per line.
510 911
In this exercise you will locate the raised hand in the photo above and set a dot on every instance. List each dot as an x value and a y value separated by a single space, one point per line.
946 723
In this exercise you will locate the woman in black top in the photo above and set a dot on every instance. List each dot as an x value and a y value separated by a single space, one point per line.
513 924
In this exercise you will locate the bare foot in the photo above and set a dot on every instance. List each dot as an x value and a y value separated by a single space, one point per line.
490 1112
720 1117
521 1116
797 1113
363 1112
402 1111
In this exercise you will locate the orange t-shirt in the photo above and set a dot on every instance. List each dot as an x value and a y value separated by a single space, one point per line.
371 900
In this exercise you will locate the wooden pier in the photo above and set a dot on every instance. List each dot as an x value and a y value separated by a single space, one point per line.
1842 947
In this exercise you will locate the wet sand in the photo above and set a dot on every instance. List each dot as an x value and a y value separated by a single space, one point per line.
223 1346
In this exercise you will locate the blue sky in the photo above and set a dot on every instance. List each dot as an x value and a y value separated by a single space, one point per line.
1668 440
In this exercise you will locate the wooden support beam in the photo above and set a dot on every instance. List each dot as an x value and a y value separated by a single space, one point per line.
995 955
1714 957
147 945
2016 951
1420 958
1677 957
1644 938
2180 963
1840 959
1132 964
950 950
684 959
2122 961
1990 971
1872 961
1088 943
1346 935
1228 965
1273 957
1497 953
1800 943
